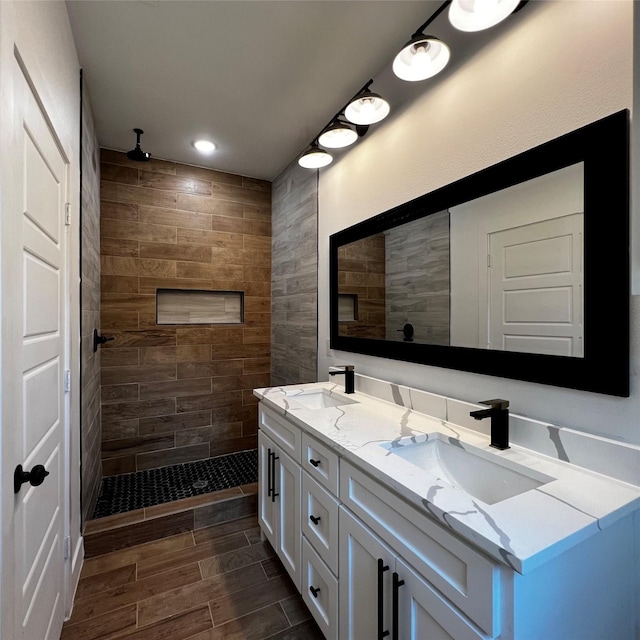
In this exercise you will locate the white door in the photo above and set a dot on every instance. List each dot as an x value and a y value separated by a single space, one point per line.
536 287
34 358
366 567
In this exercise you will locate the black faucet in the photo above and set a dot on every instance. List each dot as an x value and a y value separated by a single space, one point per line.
499 414
349 377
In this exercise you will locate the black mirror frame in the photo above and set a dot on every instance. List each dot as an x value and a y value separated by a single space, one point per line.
603 146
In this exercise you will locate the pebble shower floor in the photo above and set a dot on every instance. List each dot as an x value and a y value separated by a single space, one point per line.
130 491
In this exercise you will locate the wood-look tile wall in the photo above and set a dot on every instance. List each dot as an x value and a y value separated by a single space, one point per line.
176 393
90 292
294 333
361 266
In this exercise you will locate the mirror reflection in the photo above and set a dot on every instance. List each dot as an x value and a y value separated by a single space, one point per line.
501 272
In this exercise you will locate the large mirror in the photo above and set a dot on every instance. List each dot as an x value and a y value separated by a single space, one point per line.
519 271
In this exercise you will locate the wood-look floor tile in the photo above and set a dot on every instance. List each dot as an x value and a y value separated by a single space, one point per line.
107 580
184 625
132 592
295 609
254 535
257 625
220 530
194 501
250 488
235 559
272 568
247 600
306 631
124 557
138 533
224 511
171 602
105 627
116 520
175 559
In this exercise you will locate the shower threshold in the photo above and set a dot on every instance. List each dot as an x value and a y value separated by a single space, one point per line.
131 491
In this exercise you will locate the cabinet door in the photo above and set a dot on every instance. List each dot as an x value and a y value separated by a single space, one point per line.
267 506
424 613
288 490
366 565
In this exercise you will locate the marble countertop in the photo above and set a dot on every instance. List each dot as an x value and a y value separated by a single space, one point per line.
523 531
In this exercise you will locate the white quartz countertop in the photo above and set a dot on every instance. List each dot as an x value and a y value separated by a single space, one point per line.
523 531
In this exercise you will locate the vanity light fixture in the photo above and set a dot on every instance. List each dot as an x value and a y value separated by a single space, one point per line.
315 157
205 146
338 135
476 15
367 108
421 58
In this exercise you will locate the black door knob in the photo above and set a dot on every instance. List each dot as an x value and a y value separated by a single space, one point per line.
35 477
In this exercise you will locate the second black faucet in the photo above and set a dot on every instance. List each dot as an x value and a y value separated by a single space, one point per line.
499 413
349 377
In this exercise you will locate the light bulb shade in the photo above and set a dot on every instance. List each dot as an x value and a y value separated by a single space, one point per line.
421 58
367 108
337 136
314 158
476 15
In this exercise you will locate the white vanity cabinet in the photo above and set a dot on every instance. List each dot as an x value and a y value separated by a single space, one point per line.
279 503
372 565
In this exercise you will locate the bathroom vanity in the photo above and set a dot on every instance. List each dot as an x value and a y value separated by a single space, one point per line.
393 520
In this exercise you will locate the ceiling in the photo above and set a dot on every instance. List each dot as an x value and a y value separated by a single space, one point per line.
260 78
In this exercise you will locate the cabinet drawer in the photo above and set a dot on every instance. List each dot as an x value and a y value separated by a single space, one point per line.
320 462
320 591
285 434
467 578
320 520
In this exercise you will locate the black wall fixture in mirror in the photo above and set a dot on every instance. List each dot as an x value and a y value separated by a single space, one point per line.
520 270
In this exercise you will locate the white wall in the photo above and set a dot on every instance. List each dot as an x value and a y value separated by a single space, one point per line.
42 34
560 67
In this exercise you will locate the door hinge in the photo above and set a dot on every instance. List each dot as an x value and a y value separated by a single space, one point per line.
67 547
67 214
67 380
488 260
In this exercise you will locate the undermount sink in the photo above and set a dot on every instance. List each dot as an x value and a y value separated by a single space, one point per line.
476 472
318 399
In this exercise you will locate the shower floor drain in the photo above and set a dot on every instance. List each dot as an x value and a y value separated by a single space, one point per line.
129 491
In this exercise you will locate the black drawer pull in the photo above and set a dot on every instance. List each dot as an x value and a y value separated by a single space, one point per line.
314 591
381 569
314 519
396 585
314 463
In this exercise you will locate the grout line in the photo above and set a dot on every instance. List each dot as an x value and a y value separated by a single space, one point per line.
283 611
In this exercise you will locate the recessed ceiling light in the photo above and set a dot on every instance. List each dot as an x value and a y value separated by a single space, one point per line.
204 146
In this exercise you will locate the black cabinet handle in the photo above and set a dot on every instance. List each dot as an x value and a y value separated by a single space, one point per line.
396 586
314 519
314 591
269 487
274 495
314 463
35 477
381 569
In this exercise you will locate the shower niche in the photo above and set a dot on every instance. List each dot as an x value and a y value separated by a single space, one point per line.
193 306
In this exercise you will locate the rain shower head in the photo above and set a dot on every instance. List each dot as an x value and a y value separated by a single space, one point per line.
138 154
